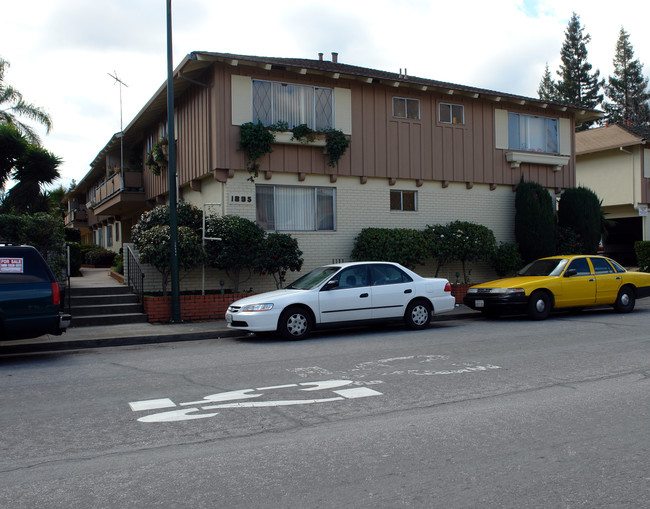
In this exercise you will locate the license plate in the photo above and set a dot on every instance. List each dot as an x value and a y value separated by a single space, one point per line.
479 303
228 318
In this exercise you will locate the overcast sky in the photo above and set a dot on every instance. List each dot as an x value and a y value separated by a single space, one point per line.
62 51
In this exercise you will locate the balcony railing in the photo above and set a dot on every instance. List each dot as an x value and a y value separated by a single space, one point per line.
132 181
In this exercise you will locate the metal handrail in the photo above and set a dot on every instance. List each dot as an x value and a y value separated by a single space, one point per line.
135 277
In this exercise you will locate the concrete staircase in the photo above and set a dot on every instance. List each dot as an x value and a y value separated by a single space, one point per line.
110 305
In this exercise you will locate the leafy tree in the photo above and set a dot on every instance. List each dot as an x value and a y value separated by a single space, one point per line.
13 106
579 209
186 215
438 244
280 254
31 166
577 84
154 246
239 248
547 87
534 221
400 245
627 88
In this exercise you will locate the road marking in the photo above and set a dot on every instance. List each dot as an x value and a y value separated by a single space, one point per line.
227 399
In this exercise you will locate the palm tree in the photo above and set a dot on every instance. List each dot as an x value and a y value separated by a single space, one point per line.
12 106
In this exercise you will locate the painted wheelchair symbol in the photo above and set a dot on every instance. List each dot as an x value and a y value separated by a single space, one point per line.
241 399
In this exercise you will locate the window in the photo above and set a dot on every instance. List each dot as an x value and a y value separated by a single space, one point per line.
533 134
601 266
451 114
275 102
296 208
406 108
353 277
109 235
117 232
404 200
581 266
387 275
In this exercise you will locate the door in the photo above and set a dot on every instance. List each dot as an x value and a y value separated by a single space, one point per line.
350 300
580 289
608 281
392 290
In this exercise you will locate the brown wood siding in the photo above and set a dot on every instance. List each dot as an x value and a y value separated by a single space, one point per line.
381 146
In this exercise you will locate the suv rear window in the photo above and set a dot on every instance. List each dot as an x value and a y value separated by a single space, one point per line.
22 265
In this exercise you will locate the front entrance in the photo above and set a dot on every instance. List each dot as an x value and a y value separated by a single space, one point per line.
620 240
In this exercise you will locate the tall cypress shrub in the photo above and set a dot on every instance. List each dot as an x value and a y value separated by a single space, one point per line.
534 221
579 209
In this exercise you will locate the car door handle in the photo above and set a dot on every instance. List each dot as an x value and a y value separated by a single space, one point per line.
363 295
408 291
618 277
592 280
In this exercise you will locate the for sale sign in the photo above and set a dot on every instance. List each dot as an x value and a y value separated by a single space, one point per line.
13 265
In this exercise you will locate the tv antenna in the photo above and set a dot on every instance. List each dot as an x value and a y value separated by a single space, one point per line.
118 80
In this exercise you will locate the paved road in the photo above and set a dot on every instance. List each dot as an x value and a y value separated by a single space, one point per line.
505 413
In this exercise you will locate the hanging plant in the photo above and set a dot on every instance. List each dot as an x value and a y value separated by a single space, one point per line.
336 145
255 141
303 133
157 156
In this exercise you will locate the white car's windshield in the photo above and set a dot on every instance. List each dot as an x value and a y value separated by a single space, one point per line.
551 267
313 279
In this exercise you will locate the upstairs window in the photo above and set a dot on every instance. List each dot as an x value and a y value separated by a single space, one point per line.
404 200
533 134
451 113
275 102
406 108
292 208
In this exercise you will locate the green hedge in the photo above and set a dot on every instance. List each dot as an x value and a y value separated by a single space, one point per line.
642 249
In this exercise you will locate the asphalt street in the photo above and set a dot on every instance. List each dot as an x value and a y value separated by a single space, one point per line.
469 413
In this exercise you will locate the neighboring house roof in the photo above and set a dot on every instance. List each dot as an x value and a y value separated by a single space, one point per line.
609 137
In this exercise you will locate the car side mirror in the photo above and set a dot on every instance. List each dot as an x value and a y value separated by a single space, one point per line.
331 284
570 273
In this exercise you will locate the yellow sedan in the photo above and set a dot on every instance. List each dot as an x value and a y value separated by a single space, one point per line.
561 282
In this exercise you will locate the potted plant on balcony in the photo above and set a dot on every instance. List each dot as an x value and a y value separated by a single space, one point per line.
157 156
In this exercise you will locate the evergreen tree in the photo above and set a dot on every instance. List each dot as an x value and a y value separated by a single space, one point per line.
579 209
627 88
577 84
547 88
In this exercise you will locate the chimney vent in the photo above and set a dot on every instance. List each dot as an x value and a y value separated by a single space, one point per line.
320 57
335 57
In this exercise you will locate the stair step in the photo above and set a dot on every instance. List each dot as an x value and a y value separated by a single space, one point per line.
112 309
97 320
101 290
86 300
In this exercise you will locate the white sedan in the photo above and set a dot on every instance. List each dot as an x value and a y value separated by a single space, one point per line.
345 293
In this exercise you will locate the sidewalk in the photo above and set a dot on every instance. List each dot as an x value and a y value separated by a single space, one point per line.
142 333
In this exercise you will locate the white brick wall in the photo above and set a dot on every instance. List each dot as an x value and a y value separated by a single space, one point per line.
358 206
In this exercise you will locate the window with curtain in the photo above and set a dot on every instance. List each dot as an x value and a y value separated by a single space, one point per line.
275 102
406 108
293 208
532 133
451 113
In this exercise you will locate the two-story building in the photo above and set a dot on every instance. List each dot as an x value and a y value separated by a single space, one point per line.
421 152
614 162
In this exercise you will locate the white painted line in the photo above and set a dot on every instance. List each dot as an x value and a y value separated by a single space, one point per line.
151 404
261 404
175 416
327 384
275 387
224 396
359 392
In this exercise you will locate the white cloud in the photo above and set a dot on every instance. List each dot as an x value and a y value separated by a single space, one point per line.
61 52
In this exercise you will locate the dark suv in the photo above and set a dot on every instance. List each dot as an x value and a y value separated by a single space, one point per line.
30 299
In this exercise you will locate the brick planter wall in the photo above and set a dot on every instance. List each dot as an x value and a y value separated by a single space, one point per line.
459 291
193 307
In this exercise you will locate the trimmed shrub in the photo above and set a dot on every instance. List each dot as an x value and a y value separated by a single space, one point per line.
534 221
100 256
505 259
405 246
579 209
280 254
642 250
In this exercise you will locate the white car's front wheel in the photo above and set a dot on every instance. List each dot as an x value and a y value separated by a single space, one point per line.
295 323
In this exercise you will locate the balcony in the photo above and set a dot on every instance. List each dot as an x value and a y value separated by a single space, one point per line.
77 219
118 196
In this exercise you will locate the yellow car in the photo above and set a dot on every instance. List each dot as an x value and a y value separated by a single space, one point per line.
561 282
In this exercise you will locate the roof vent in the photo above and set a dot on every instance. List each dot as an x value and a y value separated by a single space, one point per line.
320 57
335 57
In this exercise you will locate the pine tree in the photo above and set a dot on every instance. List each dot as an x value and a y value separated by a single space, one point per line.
577 84
547 88
627 88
